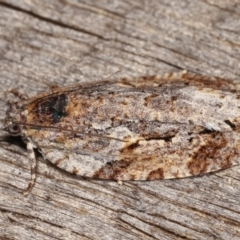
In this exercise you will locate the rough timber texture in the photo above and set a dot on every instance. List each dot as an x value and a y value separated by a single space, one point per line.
56 42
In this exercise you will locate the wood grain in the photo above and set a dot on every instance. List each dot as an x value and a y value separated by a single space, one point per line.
60 42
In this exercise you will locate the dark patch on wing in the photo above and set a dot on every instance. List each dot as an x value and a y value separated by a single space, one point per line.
206 131
131 147
156 174
229 123
210 153
50 110
75 171
112 170
165 138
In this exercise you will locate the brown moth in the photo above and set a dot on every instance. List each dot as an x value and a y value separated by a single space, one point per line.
146 128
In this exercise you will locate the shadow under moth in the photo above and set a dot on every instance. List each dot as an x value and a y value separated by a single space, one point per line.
147 128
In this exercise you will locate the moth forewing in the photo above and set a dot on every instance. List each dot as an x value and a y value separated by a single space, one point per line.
146 128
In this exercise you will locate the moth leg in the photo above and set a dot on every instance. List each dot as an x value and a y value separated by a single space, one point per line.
33 161
120 182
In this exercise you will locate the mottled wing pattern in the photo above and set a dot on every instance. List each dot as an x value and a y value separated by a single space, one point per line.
143 129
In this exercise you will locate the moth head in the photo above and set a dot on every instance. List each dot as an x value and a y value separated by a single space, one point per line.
12 123
11 128
14 129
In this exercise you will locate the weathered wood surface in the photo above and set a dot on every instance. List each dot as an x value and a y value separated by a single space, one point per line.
56 42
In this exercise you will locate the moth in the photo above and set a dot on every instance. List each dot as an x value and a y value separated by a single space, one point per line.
147 128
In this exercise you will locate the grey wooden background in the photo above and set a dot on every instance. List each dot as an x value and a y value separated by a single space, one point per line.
60 42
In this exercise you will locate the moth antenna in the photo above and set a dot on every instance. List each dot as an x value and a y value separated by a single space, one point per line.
68 130
110 75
